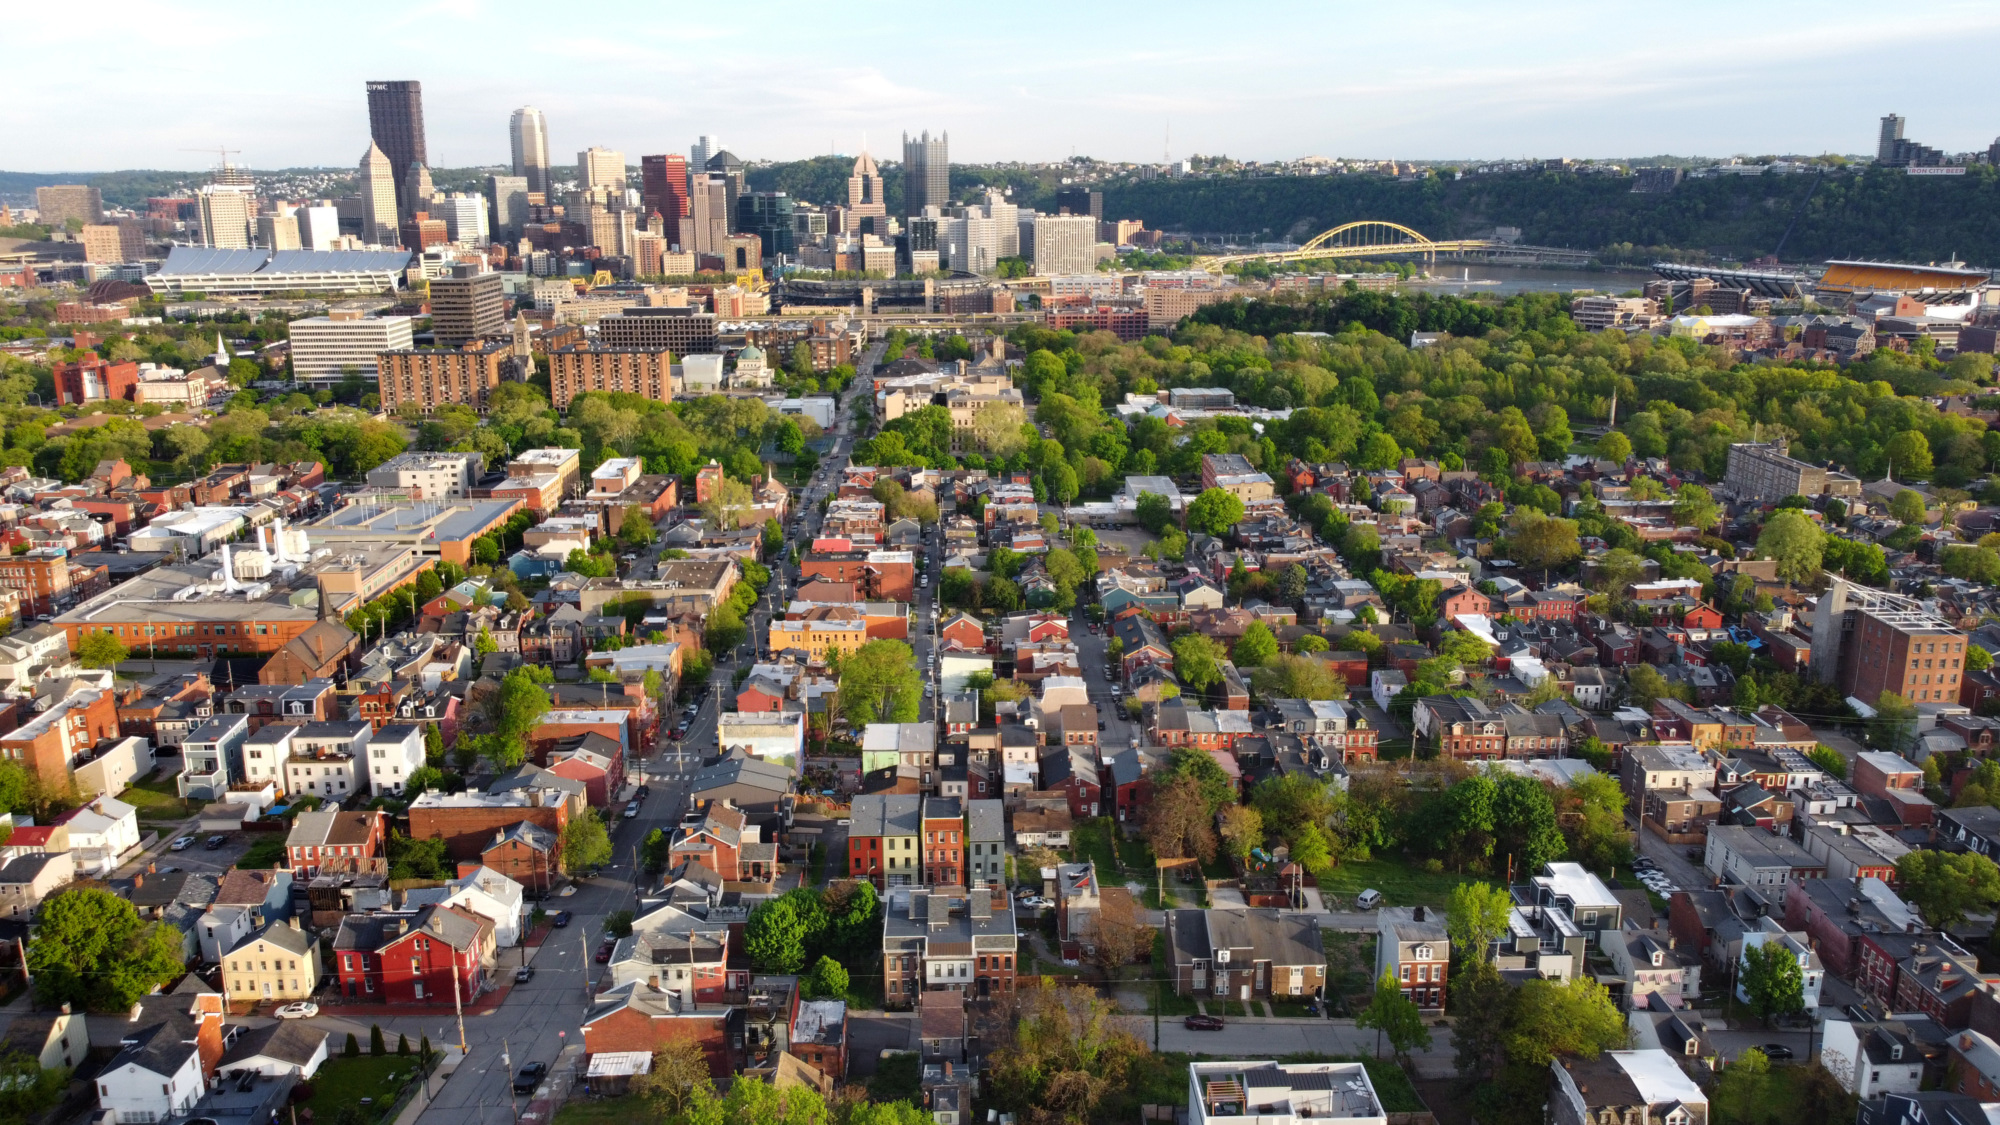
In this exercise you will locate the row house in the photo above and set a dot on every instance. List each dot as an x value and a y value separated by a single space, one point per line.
882 839
435 955
1244 954
1176 724
945 940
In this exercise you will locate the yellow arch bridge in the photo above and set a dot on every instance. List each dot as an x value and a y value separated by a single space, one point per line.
1373 238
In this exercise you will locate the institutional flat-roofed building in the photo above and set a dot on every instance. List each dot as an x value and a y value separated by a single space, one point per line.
326 348
682 331
438 530
573 370
432 377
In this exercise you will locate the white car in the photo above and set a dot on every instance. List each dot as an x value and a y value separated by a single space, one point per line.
304 1010
181 844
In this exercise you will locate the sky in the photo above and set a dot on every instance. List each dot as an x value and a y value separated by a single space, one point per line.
1030 81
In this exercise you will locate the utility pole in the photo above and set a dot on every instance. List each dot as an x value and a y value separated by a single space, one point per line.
507 1059
457 1007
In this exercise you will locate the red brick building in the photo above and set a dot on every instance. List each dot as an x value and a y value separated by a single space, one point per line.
92 379
878 575
638 1017
944 842
338 841
51 741
428 957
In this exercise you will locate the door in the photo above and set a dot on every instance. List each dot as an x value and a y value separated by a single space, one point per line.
267 990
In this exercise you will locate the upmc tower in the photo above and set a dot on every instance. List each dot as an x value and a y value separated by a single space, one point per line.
396 121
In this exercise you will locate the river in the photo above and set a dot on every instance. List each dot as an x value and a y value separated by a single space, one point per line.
1451 277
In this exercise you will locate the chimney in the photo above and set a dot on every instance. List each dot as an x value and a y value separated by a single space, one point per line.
65 1008
140 879
294 920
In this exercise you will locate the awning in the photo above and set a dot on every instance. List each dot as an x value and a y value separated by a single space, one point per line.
619 1064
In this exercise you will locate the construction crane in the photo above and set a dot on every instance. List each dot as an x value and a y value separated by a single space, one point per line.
224 168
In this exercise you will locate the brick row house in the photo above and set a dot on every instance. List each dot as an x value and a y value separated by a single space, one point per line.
944 939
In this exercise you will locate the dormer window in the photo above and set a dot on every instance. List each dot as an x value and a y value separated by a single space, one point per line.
1422 953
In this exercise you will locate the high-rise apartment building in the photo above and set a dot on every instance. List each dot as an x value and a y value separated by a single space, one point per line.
225 213
663 191
1065 245
926 172
866 211
1080 201
707 224
637 371
469 305
396 123
1885 142
725 165
59 203
378 198
278 232
507 198
971 244
122 240
325 349
601 167
464 216
319 226
434 377
1868 642
768 215
682 331
529 132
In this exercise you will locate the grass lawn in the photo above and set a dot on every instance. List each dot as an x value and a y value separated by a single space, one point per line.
1289 1007
1402 882
266 853
601 1111
1091 842
1153 900
343 1082
155 799
1134 852
1781 1099
1172 1004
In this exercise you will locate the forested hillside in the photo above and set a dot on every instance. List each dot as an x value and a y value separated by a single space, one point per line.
1873 214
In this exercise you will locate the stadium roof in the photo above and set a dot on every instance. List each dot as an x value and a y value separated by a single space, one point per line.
207 262
1854 276
1764 283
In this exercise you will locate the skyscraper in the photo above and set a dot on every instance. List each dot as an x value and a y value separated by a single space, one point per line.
725 165
1892 132
508 197
396 123
530 133
601 167
707 227
1080 201
417 189
699 153
866 213
227 213
663 189
378 198
926 172
319 226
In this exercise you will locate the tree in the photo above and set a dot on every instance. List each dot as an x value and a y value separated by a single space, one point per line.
585 843
1292 583
618 924
353 1048
1694 507
1242 830
1476 917
1395 1016
1574 1017
1742 1085
679 1069
1113 942
827 981
1541 542
100 650
636 529
377 1046
1894 724
1948 887
1069 1047
1909 455
1198 662
1647 685
1179 822
1255 646
1614 446
26 1090
1771 980
93 951
775 935
1908 506
1214 511
879 683
1795 542
1217 790
1298 677
423 778
1155 512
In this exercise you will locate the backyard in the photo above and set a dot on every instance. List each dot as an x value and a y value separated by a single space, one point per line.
366 1084
1402 882
154 797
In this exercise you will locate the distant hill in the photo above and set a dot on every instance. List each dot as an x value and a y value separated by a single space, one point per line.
1878 213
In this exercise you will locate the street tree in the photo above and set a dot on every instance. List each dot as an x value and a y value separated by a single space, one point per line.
1476 917
1796 543
100 649
1396 1017
1215 511
1772 980
1948 887
91 950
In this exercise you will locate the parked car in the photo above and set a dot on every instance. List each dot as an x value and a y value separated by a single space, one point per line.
1776 1052
632 809
604 949
181 844
530 1077
303 1010
1368 899
215 842
1203 1023
561 919
524 974
643 792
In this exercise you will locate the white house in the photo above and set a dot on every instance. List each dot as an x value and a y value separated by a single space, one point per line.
28 651
394 753
221 928
157 1073
99 833
1386 684
495 897
1871 1059
1798 944
287 1047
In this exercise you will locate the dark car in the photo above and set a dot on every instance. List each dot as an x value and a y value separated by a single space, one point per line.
604 950
1203 1023
643 792
214 842
530 1077
1776 1051
524 974
561 919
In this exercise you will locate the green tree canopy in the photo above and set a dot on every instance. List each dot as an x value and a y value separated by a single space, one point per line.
92 950
1215 511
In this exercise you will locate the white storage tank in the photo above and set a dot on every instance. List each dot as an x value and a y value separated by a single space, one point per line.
252 563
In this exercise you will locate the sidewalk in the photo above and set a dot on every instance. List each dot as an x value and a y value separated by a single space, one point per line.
485 1003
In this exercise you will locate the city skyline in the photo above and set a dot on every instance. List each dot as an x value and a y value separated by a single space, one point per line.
1570 81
